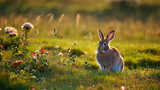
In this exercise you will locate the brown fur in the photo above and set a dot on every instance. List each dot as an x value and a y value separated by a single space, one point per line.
109 58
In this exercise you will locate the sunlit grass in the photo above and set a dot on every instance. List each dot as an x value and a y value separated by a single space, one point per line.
137 42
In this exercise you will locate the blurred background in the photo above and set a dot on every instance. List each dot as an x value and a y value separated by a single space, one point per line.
100 8
132 19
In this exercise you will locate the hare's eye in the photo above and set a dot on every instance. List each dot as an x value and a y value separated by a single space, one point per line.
104 43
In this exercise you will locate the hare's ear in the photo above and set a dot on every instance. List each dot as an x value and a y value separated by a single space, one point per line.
110 35
101 35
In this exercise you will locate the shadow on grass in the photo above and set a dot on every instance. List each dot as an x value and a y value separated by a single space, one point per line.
150 51
52 48
6 83
70 51
76 52
143 63
156 75
91 67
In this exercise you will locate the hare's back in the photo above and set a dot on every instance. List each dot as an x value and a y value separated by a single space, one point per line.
115 52
117 56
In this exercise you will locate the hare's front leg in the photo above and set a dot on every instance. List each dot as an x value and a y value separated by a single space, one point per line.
106 68
102 67
100 63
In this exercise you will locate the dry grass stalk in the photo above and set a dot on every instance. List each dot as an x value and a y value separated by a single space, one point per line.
37 20
60 19
77 19
51 17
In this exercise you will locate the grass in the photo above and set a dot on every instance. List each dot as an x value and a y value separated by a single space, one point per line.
76 68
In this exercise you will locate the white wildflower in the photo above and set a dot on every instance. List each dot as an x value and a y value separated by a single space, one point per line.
60 54
122 87
35 57
11 31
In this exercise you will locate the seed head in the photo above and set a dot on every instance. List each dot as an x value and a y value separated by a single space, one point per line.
27 26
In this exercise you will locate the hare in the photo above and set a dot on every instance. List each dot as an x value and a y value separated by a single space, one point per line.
108 57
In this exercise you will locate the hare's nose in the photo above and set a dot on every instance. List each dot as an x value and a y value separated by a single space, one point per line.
101 48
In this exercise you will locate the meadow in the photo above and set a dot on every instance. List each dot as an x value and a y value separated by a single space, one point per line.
71 42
